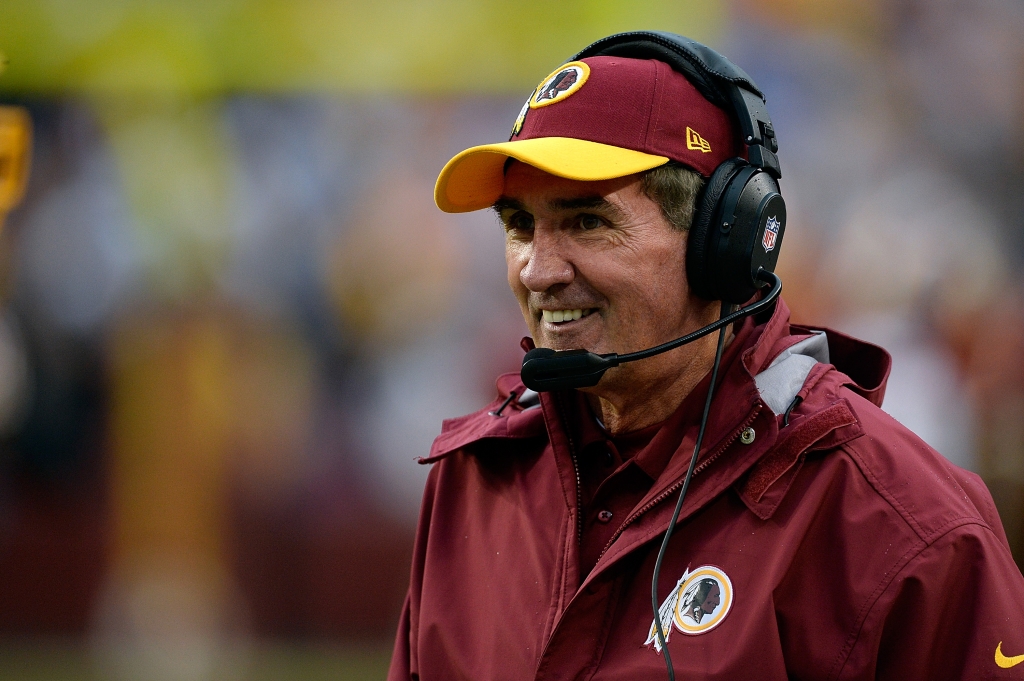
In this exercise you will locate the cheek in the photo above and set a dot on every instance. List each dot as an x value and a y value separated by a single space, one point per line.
657 280
667 275
670 259
516 257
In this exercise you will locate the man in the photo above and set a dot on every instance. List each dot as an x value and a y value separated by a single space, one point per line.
824 539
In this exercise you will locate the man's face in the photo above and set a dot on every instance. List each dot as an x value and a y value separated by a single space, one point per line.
601 252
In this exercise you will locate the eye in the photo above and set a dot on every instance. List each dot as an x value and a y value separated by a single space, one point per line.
519 221
589 222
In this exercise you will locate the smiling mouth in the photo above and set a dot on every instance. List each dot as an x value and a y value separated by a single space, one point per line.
562 316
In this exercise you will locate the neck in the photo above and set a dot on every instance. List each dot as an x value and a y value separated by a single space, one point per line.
650 390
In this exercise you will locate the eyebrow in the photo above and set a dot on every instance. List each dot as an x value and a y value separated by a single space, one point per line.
577 203
595 202
507 203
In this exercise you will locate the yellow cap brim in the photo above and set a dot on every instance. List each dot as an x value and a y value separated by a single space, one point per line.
475 178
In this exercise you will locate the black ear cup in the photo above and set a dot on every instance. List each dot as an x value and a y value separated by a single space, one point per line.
740 217
743 235
760 219
698 265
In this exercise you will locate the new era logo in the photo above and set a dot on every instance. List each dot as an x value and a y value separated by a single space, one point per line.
695 142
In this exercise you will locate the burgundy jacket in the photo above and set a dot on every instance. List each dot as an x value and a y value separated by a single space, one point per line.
837 546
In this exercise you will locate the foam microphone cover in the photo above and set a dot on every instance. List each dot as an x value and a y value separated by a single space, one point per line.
544 369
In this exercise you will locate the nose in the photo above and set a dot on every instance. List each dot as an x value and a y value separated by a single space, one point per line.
548 265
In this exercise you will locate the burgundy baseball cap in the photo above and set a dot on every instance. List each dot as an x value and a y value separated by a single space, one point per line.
595 119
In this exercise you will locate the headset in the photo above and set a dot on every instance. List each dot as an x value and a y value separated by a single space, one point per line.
740 216
733 244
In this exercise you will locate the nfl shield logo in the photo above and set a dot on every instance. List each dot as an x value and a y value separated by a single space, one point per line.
771 233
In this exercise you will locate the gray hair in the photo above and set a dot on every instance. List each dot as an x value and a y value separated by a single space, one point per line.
675 188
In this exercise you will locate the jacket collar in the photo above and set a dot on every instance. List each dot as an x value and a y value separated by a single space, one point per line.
762 470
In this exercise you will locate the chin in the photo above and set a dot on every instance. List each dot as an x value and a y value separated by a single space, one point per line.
558 344
568 342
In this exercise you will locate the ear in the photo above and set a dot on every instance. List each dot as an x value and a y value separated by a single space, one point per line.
15 152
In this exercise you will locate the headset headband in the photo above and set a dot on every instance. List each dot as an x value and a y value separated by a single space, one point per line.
719 80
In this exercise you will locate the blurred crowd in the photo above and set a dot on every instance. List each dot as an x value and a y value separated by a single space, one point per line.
231 323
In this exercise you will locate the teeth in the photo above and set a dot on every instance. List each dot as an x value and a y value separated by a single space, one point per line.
563 315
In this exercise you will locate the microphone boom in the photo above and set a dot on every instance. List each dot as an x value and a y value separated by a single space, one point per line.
545 369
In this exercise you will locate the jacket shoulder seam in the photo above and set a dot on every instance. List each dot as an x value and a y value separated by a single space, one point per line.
906 559
882 491
925 534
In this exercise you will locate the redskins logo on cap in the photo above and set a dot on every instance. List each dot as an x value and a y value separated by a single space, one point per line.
565 80
699 602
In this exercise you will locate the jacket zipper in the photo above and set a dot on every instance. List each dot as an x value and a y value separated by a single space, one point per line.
675 486
576 469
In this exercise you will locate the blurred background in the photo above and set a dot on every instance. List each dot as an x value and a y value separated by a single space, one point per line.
231 317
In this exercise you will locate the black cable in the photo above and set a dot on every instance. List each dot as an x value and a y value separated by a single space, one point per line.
686 484
789 410
508 400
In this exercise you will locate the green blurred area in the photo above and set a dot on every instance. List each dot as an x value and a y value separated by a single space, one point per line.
205 47
57 661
